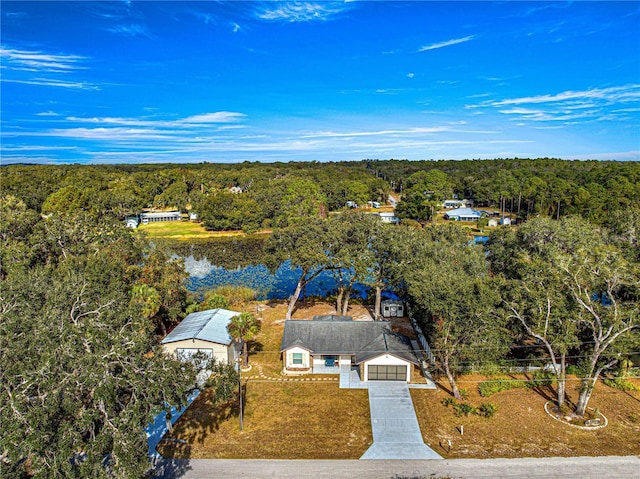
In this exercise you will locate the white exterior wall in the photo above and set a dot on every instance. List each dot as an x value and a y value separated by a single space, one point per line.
220 351
288 358
344 359
387 360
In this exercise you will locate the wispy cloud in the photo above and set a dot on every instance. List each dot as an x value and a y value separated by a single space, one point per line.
447 43
219 117
54 83
592 104
300 11
132 30
38 61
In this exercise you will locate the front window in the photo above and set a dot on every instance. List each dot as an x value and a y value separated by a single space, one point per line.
296 358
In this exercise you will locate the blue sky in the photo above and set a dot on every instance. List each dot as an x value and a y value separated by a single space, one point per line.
134 82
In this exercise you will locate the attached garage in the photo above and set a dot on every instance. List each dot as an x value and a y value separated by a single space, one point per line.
387 373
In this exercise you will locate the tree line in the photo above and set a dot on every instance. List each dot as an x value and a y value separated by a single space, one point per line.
255 196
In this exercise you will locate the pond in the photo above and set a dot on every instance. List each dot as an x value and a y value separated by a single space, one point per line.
203 276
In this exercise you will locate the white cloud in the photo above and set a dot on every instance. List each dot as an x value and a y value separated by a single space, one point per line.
236 27
217 117
592 104
54 83
446 43
411 75
300 11
47 113
133 30
38 61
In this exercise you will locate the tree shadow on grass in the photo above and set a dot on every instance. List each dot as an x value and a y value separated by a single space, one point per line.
200 420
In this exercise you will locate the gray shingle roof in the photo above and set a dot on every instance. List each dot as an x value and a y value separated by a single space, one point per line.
210 325
364 339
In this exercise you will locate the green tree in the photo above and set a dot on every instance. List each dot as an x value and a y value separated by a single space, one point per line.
535 295
304 244
244 328
597 277
82 374
349 255
448 283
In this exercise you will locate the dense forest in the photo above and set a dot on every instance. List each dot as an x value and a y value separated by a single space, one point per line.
274 194
84 300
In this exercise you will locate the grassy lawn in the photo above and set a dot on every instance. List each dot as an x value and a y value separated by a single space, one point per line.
521 428
183 230
288 420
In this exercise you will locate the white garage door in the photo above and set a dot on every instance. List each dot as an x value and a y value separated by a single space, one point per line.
387 373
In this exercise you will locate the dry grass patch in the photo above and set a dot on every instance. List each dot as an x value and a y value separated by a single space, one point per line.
283 420
521 428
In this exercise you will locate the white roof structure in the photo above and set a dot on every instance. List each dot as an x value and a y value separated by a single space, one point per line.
210 325
464 213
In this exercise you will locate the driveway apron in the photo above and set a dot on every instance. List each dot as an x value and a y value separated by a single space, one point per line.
396 433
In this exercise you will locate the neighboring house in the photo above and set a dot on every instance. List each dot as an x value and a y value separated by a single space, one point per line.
235 190
505 221
351 204
320 345
132 222
392 308
493 222
463 214
457 203
152 217
388 217
374 204
204 331
193 216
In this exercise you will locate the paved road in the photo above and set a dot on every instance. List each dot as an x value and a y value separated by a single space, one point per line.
545 468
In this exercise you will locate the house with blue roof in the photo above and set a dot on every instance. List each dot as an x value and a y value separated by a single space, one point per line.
463 214
205 332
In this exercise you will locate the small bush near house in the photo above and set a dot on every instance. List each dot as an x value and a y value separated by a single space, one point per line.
446 402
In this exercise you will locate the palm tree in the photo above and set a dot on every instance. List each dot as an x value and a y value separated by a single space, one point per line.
244 327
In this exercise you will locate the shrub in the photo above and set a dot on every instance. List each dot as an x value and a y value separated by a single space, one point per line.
464 394
488 409
464 409
541 378
621 384
446 402
492 386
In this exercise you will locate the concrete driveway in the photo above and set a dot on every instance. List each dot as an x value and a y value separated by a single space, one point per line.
396 432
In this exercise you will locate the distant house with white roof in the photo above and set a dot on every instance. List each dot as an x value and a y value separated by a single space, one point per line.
463 214
388 217
155 216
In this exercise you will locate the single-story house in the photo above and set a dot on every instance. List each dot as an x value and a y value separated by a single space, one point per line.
493 222
457 203
152 217
505 221
132 222
388 217
319 346
463 214
193 216
204 331
392 308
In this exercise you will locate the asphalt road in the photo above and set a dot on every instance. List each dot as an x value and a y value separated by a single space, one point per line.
609 467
